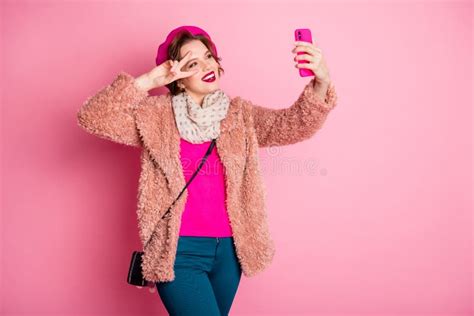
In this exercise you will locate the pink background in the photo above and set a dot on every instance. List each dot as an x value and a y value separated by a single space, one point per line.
372 216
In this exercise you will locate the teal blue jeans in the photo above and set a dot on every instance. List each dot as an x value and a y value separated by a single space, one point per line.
207 275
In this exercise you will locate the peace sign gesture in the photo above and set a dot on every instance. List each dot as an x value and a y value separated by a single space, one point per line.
167 72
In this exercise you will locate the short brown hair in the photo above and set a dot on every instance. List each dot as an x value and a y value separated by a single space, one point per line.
175 47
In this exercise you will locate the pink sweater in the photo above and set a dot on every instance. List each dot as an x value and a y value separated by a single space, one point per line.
205 212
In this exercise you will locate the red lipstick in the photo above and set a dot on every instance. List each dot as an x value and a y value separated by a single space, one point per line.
209 77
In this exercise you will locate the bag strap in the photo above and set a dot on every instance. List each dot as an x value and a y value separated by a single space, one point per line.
208 152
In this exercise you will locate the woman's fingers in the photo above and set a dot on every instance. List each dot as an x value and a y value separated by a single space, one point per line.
304 57
307 49
175 66
305 44
184 74
189 73
171 67
312 54
183 61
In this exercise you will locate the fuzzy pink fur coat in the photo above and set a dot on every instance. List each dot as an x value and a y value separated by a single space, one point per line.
123 114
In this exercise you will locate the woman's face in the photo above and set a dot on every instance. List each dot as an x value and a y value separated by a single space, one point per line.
202 60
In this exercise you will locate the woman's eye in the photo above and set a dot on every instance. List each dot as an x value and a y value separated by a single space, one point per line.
191 65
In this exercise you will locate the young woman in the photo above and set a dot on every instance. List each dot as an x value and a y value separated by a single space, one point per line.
218 228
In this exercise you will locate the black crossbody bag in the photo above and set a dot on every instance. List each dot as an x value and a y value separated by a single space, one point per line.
135 276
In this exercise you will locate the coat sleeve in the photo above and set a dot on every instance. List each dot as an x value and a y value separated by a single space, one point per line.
110 113
277 127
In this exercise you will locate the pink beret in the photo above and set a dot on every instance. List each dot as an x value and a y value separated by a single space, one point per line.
162 54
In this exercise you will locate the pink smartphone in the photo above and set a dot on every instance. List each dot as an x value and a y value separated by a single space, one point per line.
304 35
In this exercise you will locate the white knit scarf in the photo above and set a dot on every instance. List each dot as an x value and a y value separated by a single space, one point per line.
198 124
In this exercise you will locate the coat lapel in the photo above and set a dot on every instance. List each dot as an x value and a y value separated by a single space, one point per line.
160 136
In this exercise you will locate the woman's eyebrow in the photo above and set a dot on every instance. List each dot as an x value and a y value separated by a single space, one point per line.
207 51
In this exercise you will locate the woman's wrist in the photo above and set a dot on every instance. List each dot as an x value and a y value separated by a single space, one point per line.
321 88
321 81
142 82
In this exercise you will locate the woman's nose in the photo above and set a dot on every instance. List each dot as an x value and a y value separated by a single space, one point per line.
207 67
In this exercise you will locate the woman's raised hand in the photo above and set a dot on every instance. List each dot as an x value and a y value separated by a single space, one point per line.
316 61
165 73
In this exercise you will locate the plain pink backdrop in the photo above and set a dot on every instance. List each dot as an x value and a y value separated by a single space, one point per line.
371 216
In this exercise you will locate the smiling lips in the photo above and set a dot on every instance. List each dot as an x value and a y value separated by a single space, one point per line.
209 77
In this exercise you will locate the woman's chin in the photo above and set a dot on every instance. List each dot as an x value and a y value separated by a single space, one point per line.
210 87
